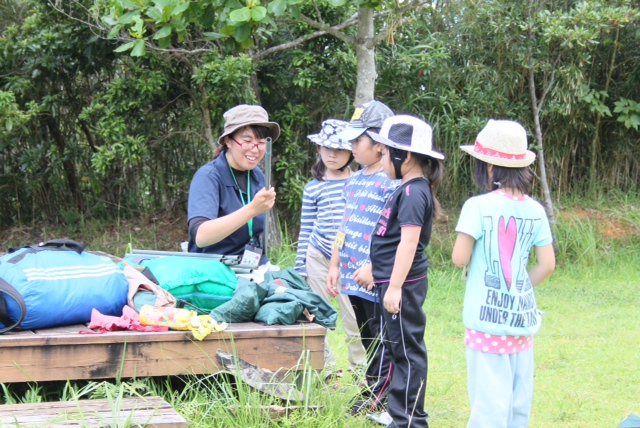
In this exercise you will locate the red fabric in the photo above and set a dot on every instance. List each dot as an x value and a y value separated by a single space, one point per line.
128 321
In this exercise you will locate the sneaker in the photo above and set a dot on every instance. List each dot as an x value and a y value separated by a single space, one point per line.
382 418
365 405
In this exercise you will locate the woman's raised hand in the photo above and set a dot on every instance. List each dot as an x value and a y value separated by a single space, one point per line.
264 200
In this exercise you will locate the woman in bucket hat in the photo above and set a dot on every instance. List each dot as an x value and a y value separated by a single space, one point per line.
227 198
322 209
399 262
496 231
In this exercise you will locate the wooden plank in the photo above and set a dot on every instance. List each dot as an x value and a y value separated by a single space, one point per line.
143 411
62 355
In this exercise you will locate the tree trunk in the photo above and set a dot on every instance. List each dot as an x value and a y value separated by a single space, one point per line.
69 167
535 107
595 142
208 132
365 55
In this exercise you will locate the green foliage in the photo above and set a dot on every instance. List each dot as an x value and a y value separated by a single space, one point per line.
10 114
233 73
292 160
629 112
87 132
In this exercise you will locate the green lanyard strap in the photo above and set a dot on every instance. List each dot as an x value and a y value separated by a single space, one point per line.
250 222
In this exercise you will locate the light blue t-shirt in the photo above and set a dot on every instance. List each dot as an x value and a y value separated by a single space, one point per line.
499 297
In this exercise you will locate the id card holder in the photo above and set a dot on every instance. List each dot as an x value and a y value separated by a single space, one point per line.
339 242
251 256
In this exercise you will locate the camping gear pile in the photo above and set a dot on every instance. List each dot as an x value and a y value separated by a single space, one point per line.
58 283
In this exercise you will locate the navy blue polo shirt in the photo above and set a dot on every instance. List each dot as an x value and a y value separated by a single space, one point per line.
213 194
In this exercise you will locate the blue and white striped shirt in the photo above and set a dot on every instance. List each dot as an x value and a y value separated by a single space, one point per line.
322 211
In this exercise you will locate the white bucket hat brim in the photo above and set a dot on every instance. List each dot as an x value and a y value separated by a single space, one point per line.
407 133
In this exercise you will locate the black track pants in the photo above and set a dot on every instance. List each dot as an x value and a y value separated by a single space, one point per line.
404 339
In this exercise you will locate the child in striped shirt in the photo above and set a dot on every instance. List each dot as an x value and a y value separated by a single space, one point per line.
322 210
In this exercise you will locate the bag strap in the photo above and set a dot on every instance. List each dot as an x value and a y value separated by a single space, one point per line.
183 304
10 291
76 246
55 244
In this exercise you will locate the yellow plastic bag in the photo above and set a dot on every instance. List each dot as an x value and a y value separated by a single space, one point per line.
180 319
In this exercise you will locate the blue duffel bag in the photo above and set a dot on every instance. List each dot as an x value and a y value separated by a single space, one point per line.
58 283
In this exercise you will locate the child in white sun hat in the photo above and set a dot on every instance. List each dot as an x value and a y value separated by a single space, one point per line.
496 232
399 262
322 209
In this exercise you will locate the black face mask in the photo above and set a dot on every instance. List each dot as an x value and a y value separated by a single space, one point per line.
397 157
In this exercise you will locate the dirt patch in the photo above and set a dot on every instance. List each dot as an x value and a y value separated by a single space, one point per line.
610 226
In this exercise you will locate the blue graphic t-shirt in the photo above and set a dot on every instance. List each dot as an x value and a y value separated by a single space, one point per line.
365 196
499 297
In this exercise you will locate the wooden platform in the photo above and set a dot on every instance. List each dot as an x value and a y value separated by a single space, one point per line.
63 354
144 411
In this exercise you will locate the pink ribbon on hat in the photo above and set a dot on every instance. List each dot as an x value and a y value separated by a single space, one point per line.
480 149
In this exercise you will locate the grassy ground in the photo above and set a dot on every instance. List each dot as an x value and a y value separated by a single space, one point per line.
587 352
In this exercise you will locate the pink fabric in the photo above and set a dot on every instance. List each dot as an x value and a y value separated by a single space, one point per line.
485 342
479 148
128 321
139 282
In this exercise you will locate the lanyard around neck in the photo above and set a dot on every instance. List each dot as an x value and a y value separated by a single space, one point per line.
250 222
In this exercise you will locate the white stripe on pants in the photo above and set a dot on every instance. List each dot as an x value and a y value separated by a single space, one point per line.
317 266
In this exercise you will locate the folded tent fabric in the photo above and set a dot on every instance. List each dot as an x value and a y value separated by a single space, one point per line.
324 313
243 306
290 276
282 313
267 298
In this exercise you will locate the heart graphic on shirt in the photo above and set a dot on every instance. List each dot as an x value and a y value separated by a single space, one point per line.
363 207
351 194
366 236
378 184
344 265
507 236
353 259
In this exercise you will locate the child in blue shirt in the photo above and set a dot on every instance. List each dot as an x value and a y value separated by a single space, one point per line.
496 232
350 274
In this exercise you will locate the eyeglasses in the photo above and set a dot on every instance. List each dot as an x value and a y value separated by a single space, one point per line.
249 145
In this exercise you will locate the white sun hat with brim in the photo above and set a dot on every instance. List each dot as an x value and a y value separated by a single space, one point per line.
407 133
328 135
368 115
502 143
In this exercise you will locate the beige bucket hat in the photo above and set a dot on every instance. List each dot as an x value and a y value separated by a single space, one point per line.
502 143
243 115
